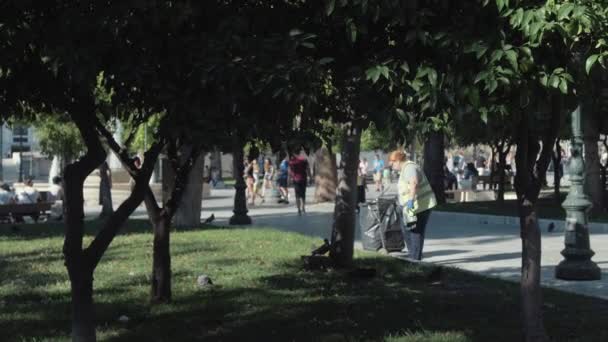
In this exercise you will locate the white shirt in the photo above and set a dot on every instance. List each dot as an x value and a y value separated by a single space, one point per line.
28 195
56 192
6 197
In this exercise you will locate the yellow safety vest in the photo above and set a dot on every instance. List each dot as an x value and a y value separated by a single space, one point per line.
425 197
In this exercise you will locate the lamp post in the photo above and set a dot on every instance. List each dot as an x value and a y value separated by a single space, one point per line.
21 159
577 264
1 152
240 198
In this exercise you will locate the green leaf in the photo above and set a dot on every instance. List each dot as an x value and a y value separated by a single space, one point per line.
433 77
590 62
384 71
563 86
564 10
554 81
512 58
480 76
325 60
518 17
492 86
401 114
405 67
352 32
500 4
373 74
484 116
329 7
544 80
295 32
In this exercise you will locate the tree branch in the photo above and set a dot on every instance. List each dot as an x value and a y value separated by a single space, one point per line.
115 222
121 152
75 175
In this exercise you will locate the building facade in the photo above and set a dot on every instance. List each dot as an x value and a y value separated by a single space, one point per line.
17 138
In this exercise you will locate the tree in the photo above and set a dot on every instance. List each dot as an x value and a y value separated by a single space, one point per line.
58 136
53 68
373 138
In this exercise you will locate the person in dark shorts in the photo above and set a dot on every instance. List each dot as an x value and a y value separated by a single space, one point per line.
299 170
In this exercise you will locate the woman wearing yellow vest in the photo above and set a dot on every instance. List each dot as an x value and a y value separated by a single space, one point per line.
416 197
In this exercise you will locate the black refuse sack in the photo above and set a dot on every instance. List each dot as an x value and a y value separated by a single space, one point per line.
381 226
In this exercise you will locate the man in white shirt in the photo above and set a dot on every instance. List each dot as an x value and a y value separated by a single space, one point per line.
28 194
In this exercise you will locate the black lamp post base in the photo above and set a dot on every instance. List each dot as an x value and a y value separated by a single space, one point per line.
240 220
578 270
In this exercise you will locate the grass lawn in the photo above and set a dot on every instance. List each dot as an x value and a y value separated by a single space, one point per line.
547 209
261 293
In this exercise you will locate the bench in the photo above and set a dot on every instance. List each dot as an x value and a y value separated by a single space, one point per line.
8 212
492 182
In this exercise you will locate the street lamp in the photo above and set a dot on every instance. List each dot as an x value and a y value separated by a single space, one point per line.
20 156
577 264
240 216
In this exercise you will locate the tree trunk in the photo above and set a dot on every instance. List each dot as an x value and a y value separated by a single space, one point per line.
343 234
189 210
534 329
501 166
83 316
325 175
557 173
604 174
434 159
531 170
161 260
216 162
591 136
78 263
79 271
105 191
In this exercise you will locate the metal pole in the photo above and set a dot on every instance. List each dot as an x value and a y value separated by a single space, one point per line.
577 264
20 158
240 216
1 152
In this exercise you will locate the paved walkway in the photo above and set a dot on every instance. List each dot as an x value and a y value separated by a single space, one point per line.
452 240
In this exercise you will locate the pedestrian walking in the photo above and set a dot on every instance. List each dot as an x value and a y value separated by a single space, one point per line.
416 198
282 181
248 174
268 175
299 170
378 168
361 186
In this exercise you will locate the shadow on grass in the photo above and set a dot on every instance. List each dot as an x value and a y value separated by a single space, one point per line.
297 305
32 231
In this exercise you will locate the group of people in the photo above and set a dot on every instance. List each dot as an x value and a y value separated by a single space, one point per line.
295 168
381 176
30 195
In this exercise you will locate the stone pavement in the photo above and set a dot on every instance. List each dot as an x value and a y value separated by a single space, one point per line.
452 239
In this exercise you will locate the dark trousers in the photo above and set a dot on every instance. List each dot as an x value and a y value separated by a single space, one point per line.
414 235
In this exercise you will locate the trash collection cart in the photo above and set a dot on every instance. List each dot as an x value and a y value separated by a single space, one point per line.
380 225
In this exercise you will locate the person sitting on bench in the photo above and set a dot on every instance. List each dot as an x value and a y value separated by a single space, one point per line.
28 195
7 195
56 196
